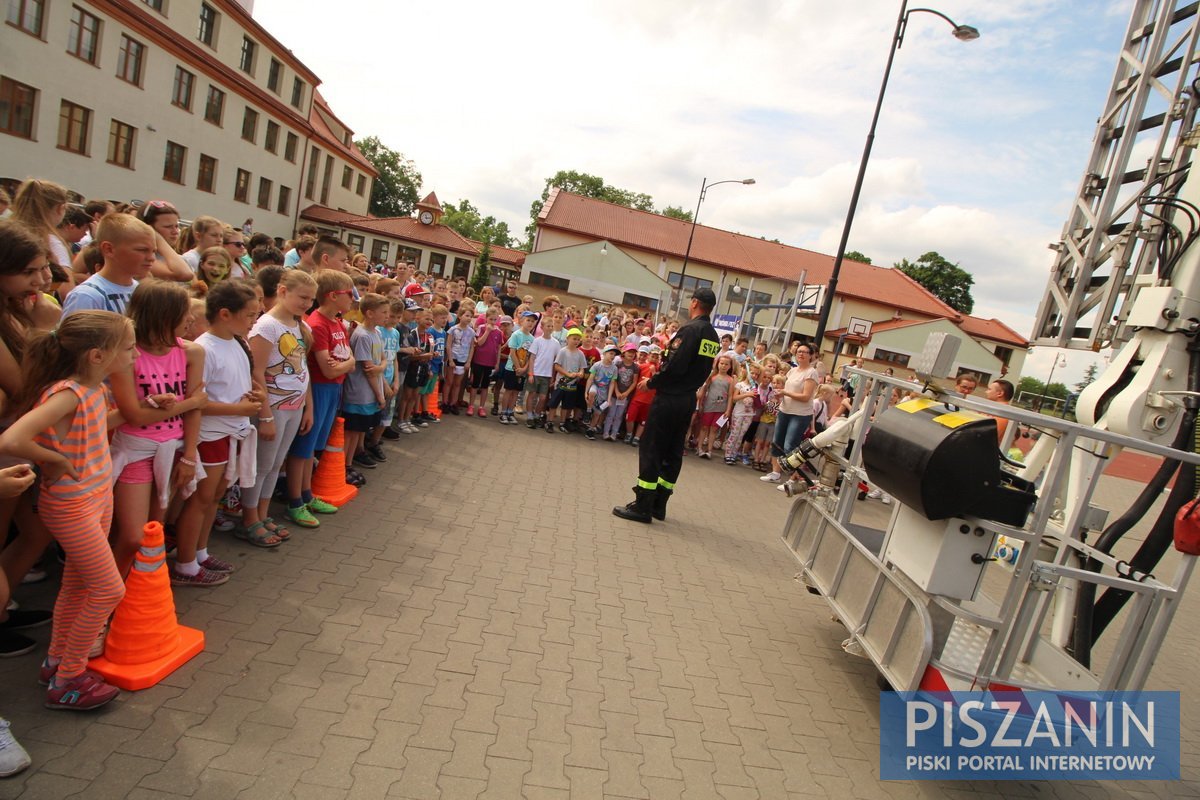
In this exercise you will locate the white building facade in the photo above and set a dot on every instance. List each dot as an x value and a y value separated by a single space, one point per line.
189 101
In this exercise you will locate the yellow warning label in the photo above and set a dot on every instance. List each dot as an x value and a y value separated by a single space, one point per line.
709 348
955 418
915 405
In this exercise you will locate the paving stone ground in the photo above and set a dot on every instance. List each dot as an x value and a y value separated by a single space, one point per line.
477 624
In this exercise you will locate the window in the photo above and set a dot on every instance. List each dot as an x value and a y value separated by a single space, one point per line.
325 180
249 50
297 92
241 189
174 163
214 106
120 144
379 251
347 177
272 140
83 40
129 61
264 193
355 242
285 200
437 263
181 92
249 124
289 148
310 185
637 301
408 255
208 24
690 282
549 281
1004 354
206 178
157 5
462 267
275 75
17 103
74 128
362 185
899 359
737 298
27 15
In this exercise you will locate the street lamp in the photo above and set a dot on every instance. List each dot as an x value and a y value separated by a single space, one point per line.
704 187
964 33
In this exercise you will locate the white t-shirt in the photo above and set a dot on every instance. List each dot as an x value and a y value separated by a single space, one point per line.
226 379
794 382
544 351
59 253
99 294
192 257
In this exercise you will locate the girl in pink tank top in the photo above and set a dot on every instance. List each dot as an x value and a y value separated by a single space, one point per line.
160 401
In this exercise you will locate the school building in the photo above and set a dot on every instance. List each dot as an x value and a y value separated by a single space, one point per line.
421 239
744 272
189 101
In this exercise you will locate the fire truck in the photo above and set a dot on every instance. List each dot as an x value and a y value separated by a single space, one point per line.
1001 574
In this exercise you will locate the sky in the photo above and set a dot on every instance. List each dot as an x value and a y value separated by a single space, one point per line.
979 151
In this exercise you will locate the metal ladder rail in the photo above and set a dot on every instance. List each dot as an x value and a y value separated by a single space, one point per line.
1099 233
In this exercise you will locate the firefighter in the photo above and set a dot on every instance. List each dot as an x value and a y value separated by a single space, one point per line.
688 362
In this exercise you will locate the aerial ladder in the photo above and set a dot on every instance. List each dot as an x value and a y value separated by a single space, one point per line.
996 574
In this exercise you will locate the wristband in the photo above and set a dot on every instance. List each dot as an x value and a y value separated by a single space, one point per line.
187 461
266 419
150 402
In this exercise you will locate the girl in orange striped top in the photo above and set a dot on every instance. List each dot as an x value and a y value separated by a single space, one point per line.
64 429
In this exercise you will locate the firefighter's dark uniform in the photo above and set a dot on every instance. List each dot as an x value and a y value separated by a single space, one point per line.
660 453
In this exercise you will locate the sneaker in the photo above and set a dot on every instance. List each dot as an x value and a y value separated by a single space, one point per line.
531 423
319 506
788 487
452 409
24 618
302 517
771 477
391 434
13 757
590 433
470 411
549 427
15 644
205 577
419 422
634 442
364 460
482 411
730 461
223 524
376 452
355 478
82 693
407 427
745 461
495 410
887 499
875 494
504 419
706 455
36 574
216 565
562 428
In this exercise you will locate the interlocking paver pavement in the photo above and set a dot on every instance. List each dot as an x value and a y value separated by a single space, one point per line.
476 624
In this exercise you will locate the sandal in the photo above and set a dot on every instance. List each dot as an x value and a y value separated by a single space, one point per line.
258 535
277 529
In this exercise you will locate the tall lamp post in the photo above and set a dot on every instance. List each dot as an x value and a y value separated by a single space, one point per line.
964 33
704 187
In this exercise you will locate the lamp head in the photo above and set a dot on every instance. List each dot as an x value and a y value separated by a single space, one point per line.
750 181
966 33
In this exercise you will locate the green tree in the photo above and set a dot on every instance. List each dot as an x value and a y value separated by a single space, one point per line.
1056 389
1089 377
397 189
467 220
589 186
482 276
1030 386
854 255
675 212
948 282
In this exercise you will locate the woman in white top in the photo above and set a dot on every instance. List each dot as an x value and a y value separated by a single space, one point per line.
40 206
795 409
205 232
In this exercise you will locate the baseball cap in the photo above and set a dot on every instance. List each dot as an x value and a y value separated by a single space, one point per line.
644 348
575 332
645 340
505 320
655 349
414 289
529 314
612 348
706 296
629 348
411 305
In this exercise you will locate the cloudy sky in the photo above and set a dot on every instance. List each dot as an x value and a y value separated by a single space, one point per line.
980 147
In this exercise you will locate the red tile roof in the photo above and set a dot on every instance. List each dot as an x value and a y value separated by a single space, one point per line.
330 216
727 250
992 329
877 327
331 140
504 255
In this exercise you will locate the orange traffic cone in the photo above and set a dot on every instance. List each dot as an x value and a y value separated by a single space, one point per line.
329 478
145 642
433 401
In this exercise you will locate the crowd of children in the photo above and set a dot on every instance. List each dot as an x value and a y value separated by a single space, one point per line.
191 376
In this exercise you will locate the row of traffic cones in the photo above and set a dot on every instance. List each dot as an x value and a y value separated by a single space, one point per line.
145 641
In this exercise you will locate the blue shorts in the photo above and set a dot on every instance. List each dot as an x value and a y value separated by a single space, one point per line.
326 399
